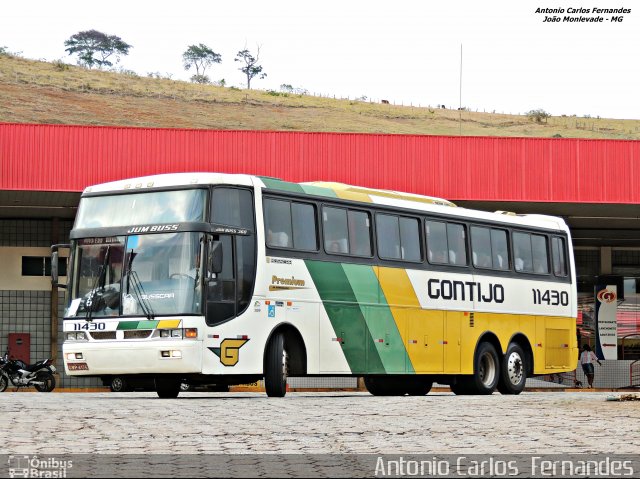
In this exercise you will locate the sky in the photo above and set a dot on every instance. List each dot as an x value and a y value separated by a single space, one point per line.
405 51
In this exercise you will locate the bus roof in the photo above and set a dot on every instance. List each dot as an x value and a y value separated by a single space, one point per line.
330 190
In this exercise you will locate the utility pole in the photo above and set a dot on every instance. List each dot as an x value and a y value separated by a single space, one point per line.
460 105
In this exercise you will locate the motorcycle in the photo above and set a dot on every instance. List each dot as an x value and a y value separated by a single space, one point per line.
20 374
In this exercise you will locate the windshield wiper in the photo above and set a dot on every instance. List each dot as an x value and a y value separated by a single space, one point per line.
138 290
101 278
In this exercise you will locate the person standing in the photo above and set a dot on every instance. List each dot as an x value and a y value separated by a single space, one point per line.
587 360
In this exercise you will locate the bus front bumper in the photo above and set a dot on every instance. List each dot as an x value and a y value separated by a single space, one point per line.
134 357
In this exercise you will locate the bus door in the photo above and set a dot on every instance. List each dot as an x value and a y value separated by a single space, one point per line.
220 285
230 273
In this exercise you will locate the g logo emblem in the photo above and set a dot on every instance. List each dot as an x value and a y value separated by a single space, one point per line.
229 351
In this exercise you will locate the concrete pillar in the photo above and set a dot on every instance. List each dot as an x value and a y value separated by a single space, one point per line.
605 260
55 226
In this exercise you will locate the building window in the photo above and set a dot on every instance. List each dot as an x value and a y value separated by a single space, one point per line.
41 266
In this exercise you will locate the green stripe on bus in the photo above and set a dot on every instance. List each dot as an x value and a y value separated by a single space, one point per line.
147 325
128 325
346 317
319 191
275 184
383 328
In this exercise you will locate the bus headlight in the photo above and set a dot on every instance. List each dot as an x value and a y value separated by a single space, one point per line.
81 336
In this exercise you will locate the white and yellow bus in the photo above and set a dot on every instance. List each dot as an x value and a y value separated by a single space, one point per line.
228 279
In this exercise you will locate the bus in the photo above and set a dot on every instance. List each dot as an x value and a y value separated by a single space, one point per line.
227 279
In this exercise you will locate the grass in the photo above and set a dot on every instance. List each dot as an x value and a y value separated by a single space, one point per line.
42 92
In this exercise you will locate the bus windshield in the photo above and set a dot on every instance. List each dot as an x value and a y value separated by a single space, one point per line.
138 275
141 208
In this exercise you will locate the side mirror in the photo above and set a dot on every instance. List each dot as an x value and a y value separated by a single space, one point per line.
54 265
215 257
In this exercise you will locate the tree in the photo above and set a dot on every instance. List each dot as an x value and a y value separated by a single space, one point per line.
538 115
94 48
200 56
251 67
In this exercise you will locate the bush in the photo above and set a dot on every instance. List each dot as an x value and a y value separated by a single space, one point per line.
60 66
538 115
202 79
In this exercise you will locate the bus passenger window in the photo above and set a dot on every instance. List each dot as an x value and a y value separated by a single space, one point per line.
277 218
456 238
303 218
410 239
540 254
336 235
522 252
559 258
481 247
388 235
499 249
437 249
359 233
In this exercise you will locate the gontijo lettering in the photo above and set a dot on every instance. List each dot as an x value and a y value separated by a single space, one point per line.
461 290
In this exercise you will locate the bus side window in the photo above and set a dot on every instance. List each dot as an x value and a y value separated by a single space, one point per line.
499 249
336 233
481 247
522 252
388 234
277 219
559 257
437 249
540 254
359 233
456 239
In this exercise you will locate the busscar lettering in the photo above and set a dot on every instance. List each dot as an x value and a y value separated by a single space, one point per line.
465 291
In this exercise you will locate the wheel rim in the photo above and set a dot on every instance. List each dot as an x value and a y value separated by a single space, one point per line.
487 370
116 384
285 365
515 369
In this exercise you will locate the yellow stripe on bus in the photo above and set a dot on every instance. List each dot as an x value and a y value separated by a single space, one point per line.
169 324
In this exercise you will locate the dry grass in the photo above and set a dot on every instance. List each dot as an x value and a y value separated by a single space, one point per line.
41 92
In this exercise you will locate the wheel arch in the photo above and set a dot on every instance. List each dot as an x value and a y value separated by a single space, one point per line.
296 348
492 338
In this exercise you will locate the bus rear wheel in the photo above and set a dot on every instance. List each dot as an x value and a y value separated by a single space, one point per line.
513 373
486 373
276 367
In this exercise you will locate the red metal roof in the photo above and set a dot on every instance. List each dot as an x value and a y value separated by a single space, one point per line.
69 158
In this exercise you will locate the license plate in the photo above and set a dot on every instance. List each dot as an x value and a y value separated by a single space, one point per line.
78 367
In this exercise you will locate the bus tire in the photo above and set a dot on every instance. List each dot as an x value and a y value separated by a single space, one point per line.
513 371
118 384
486 371
418 386
461 386
167 388
276 367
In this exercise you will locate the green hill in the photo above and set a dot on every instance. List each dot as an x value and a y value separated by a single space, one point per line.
42 92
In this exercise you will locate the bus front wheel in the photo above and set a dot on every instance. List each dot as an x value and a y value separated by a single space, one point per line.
513 373
167 388
276 367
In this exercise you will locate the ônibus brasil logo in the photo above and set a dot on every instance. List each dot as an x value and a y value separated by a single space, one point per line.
607 296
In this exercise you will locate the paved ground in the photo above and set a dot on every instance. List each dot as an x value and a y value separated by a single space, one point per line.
318 423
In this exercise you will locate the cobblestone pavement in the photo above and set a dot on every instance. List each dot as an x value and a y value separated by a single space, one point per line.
318 423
